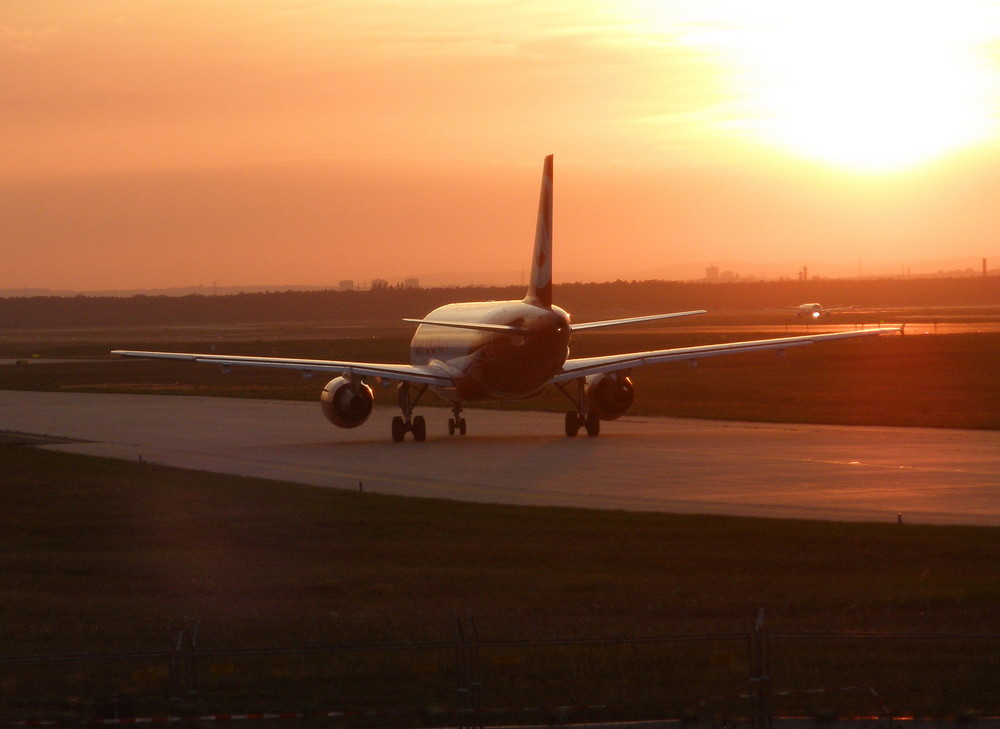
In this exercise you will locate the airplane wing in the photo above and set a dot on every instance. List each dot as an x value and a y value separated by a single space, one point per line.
632 320
575 368
424 375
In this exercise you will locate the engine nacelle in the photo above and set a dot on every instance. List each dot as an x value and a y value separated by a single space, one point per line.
609 396
347 405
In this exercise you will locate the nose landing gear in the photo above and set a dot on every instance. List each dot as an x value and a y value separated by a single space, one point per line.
457 422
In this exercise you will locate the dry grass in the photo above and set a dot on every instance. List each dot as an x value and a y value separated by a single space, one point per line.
947 381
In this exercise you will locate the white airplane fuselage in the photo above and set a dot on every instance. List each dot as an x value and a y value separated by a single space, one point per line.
493 364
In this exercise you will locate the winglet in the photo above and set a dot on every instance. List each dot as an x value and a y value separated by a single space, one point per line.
540 283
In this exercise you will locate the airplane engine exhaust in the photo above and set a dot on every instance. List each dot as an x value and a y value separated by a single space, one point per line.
609 396
347 405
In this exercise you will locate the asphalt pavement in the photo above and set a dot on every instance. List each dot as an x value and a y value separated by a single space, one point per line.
913 475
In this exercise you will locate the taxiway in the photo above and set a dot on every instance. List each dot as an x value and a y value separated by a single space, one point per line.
638 463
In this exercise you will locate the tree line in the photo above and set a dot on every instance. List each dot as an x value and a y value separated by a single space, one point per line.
584 300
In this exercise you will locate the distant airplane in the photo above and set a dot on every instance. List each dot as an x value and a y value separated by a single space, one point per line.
817 311
507 350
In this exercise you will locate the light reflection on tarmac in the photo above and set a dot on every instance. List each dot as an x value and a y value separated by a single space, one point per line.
637 463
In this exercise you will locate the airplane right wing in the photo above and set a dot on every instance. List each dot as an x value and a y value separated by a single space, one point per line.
584 366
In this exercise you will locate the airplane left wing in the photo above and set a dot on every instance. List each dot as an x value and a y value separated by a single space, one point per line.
424 375
575 368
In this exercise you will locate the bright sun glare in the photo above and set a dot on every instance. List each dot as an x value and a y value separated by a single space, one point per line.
867 85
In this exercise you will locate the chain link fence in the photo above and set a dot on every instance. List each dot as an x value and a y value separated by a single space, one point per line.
466 681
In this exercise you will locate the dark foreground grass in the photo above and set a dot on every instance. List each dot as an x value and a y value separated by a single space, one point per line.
102 555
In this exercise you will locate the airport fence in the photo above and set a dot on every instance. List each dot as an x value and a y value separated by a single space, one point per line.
465 681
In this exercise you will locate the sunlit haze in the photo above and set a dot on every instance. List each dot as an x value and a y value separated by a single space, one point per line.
166 144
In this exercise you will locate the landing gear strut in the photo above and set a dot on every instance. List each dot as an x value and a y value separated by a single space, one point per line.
408 422
590 420
456 423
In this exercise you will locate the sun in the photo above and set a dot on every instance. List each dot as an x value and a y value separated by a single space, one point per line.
869 85
866 85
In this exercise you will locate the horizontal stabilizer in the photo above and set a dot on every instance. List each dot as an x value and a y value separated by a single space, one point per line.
633 320
471 325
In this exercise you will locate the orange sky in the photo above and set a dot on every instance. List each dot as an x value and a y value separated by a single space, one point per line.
157 144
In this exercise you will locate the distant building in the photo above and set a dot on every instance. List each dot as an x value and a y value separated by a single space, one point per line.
411 283
346 285
714 275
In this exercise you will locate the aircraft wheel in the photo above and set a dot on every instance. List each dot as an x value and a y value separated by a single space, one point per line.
451 426
593 424
419 428
398 429
461 426
572 425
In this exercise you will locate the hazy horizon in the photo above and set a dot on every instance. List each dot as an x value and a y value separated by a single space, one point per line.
270 142
728 272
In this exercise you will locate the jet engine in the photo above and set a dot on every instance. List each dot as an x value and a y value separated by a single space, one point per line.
347 404
609 395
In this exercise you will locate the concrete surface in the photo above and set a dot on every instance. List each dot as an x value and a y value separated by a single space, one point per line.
637 463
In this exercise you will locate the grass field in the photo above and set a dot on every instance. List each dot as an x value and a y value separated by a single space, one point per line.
110 556
948 381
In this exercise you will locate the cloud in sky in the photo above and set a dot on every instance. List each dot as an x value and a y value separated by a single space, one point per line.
224 132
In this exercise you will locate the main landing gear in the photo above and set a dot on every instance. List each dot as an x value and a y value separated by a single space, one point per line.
410 423
417 426
589 420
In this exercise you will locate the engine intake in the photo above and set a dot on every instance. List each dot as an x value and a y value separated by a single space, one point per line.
347 405
609 396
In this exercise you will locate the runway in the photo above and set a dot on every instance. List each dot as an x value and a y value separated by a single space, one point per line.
637 463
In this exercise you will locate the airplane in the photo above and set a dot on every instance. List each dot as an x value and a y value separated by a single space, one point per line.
817 311
506 350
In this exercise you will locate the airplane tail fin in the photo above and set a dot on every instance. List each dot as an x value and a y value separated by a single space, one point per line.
540 283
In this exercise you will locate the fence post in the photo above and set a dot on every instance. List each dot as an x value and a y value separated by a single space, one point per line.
175 670
192 664
467 664
184 670
760 675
